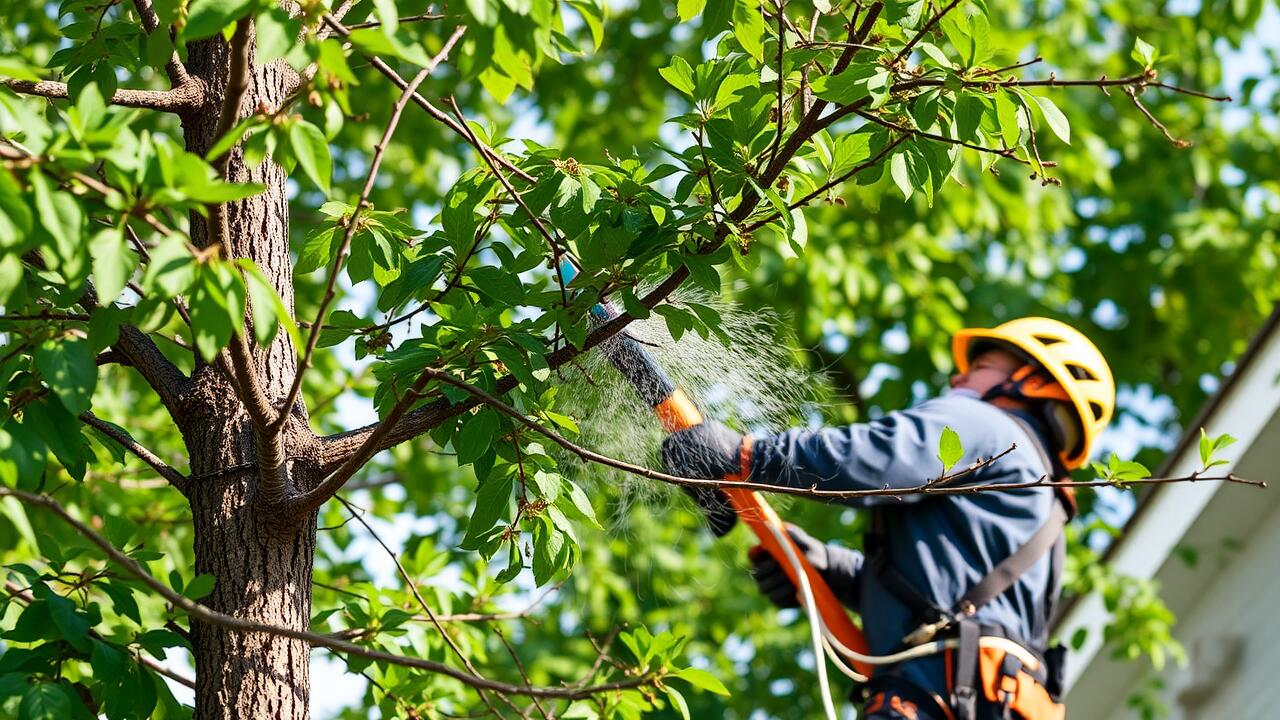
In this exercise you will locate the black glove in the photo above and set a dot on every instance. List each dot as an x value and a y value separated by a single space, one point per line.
709 451
839 566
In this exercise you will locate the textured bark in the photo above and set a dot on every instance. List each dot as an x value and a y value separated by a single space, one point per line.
262 564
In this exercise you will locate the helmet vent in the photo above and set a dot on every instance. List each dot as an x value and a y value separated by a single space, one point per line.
1096 409
1079 372
1048 339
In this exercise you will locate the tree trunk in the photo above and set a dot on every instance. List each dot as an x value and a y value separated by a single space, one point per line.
261 563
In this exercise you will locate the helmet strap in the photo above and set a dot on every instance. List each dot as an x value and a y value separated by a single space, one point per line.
1031 388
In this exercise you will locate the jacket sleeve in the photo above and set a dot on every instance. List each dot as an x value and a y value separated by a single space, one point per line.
898 450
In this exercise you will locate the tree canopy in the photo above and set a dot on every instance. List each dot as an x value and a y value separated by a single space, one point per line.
233 232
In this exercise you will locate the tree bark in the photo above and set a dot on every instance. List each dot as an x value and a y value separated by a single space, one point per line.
262 564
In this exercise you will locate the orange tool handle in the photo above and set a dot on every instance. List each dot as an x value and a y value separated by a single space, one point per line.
678 412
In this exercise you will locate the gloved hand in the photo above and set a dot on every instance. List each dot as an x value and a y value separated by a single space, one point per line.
839 566
709 451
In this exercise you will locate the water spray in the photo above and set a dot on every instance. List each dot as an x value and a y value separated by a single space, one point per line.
676 411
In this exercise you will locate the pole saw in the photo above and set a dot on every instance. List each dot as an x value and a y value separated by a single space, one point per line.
676 411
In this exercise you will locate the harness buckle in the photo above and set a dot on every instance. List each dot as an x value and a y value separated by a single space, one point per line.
965 701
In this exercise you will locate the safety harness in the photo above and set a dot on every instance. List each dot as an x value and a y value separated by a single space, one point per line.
1027 690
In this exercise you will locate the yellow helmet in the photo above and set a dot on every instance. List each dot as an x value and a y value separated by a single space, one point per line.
1068 356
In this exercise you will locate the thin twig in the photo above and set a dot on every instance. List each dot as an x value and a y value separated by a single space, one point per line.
175 478
207 615
906 49
353 223
402 20
422 603
1133 95
936 486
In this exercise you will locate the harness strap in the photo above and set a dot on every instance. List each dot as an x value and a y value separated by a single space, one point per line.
964 695
1003 576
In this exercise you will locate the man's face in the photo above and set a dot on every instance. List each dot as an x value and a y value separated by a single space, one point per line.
987 371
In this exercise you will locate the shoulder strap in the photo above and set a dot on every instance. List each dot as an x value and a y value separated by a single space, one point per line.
1003 576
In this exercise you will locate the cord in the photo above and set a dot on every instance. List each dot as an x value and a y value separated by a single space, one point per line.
825 643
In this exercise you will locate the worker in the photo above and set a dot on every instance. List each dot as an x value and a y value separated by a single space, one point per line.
1033 393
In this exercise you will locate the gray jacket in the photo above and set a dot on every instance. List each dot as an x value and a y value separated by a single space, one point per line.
941 544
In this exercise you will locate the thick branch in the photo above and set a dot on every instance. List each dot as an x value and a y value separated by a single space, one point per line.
206 615
175 478
243 374
150 23
182 98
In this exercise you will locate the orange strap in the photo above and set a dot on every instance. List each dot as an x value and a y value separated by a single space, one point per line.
677 412
1030 699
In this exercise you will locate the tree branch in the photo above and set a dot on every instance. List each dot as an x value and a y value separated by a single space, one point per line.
941 485
150 23
182 98
204 614
420 101
175 478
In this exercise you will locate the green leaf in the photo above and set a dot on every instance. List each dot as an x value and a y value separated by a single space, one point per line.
492 500
1210 446
703 680
678 702
901 174
748 27
199 587
497 284
476 435
44 701
374 41
968 116
689 9
217 307
171 270
1143 52
679 74
113 263
847 87
579 504
207 17
108 661
71 624
949 449
62 217
69 368
269 310
1054 117
312 151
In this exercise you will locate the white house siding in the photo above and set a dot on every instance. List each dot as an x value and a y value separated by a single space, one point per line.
1229 598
